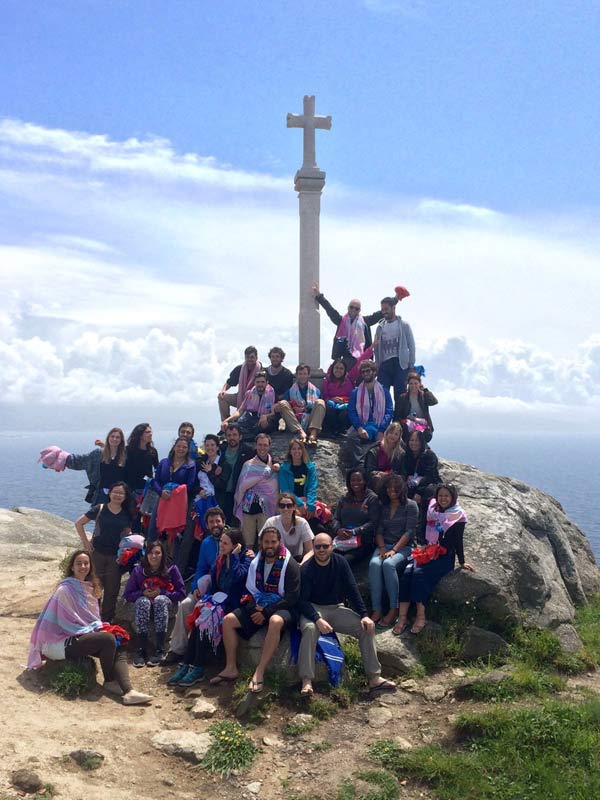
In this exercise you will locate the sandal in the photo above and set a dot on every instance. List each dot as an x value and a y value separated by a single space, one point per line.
256 686
383 686
385 626
219 679
418 626
307 691
400 626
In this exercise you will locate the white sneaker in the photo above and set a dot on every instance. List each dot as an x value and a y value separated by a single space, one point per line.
133 698
112 687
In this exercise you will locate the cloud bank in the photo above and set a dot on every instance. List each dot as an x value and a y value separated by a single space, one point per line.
132 274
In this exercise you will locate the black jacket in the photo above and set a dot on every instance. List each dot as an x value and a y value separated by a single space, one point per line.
426 399
245 452
426 465
336 318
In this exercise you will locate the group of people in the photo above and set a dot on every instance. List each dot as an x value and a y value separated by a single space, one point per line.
248 534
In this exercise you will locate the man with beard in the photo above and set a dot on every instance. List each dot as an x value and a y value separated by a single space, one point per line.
235 453
326 581
273 586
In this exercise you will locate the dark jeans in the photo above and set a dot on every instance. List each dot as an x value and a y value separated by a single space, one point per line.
103 646
389 374
109 573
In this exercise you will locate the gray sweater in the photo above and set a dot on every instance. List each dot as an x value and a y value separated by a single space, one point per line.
404 521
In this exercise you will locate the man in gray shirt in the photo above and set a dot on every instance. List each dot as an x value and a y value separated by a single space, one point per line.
393 348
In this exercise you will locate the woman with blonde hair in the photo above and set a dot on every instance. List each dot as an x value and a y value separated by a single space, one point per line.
298 476
385 457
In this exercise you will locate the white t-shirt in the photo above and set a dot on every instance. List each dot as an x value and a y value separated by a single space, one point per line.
295 538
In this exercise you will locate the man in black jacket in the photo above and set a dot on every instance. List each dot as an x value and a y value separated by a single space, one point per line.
327 581
354 320
273 585
235 453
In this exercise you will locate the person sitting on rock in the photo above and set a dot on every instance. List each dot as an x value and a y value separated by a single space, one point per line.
303 410
353 334
241 376
327 581
255 413
257 490
356 518
296 533
336 391
370 412
154 589
273 590
69 626
444 531
393 545
298 476
279 377
214 524
234 454
421 473
412 410
385 457
228 576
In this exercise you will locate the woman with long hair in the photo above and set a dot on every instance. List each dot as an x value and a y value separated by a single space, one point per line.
228 576
298 476
174 472
336 391
421 473
296 533
113 520
444 532
141 457
70 627
384 457
356 518
213 475
397 527
412 408
153 588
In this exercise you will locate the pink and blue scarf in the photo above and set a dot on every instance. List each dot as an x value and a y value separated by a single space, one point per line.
363 403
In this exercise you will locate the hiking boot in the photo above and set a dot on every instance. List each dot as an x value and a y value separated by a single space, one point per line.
133 698
177 676
173 658
139 659
193 676
156 659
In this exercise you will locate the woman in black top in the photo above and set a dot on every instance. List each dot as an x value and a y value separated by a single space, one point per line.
112 463
421 473
356 514
142 457
113 521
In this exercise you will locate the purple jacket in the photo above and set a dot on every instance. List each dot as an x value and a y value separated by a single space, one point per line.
134 588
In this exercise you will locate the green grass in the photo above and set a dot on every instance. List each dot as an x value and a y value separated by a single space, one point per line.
68 679
294 729
548 752
231 749
386 786
587 624
523 680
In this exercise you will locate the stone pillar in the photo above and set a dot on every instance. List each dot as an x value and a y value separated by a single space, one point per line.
309 185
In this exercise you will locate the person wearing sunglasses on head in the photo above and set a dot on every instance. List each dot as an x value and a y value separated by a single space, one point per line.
295 531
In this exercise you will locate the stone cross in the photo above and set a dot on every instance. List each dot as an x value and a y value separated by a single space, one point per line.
309 182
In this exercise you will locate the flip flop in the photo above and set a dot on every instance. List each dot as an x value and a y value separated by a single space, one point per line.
400 631
384 686
385 626
418 627
308 691
219 679
256 687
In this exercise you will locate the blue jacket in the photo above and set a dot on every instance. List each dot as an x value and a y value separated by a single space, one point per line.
186 474
355 419
286 483
209 550
233 582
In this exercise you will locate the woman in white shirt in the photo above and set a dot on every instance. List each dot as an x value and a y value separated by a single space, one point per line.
295 531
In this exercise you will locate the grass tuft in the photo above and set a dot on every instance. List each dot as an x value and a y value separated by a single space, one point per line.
231 749
69 679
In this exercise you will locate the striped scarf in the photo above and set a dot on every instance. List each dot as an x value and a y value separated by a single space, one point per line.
363 403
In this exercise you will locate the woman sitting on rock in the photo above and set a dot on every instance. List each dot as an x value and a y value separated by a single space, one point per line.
336 391
228 576
446 522
296 533
393 544
421 473
153 587
356 518
384 457
70 627
298 476
412 409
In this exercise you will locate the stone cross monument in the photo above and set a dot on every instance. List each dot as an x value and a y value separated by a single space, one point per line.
309 182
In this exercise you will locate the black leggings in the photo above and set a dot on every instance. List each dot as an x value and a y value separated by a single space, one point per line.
103 645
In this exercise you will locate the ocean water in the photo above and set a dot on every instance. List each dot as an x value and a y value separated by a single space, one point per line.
565 466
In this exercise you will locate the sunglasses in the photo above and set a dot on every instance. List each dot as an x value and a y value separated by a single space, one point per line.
321 546
286 505
354 308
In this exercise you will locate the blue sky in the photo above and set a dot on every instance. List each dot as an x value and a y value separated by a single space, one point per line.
147 204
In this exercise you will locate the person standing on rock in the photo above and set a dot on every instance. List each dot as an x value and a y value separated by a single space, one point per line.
256 491
327 581
446 522
393 348
234 454
273 586
70 627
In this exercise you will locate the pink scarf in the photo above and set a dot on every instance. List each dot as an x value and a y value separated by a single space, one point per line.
363 403
72 610
438 521
262 404
354 333
246 381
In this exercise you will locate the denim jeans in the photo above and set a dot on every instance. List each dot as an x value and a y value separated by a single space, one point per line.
389 374
384 571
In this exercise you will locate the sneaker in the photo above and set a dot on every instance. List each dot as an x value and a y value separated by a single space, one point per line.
156 659
173 658
139 659
194 675
133 698
177 676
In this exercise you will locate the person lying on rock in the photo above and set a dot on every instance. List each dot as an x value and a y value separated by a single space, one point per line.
70 627
153 588
222 595
326 581
273 589
444 531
